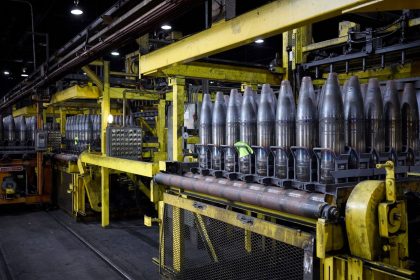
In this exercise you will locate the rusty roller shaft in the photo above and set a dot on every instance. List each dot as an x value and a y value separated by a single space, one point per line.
285 200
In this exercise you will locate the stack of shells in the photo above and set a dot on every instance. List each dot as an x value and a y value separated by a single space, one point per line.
354 116
17 131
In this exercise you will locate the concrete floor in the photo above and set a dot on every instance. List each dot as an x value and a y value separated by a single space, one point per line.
35 246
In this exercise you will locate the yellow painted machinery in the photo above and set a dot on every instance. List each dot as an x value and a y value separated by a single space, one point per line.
255 209
212 229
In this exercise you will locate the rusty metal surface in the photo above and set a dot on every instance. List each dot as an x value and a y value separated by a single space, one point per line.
311 205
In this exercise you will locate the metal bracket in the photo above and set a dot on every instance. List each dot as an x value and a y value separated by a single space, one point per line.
199 205
247 220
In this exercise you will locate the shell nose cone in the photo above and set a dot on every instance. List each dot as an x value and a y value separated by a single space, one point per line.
305 110
331 116
205 120
374 113
392 116
285 103
391 98
306 115
373 100
232 120
331 103
353 103
285 116
248 107
219 119
248 118
266 89
265 118
251 96
354 116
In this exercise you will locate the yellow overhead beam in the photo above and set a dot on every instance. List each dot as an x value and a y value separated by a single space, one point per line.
30 111
24 111
326 43
147 169
75 92
117 93
92 92
221 72
268 20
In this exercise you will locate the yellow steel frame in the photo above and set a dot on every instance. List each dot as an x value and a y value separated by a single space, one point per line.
259 226
93 92
146 169
244 29
30 111
75 92
98 192
178 99
220 72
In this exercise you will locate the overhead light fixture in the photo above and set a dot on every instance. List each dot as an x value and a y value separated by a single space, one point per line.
76 10
115 53
166 27
24 74
6 73
110 119
259 41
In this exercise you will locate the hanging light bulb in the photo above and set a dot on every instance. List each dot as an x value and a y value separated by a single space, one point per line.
76 10
166 26
24 74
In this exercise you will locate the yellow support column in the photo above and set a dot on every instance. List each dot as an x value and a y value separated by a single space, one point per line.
62 122
178 98
105 109
287 44
161 131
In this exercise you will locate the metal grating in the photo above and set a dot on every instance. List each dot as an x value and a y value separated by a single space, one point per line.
231 253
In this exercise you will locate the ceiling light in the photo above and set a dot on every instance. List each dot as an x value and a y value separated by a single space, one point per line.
166 27
115 53
76 10
6 73
24 73
110 119
259 41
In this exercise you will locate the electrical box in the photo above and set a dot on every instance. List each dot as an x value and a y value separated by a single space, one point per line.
124 142
41 140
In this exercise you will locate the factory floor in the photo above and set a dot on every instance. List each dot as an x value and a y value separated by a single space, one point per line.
43 245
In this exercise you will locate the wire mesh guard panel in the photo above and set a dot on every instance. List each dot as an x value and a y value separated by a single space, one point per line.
231 253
